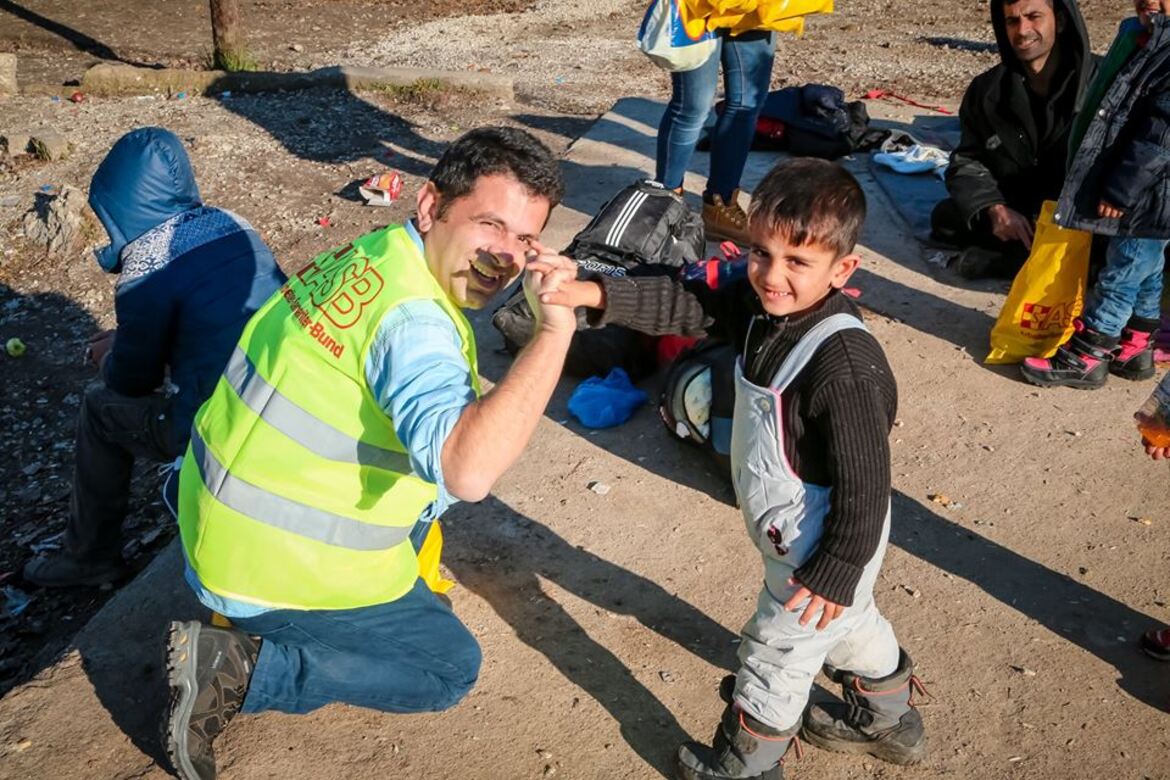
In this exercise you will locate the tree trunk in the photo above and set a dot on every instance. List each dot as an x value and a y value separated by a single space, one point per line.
227 36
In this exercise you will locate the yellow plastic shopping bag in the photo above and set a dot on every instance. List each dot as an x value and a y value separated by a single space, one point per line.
1048 293
428 560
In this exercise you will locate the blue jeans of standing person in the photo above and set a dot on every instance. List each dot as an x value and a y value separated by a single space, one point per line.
747 72
1130 285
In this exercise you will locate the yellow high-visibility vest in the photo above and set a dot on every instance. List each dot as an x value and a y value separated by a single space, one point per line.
295 491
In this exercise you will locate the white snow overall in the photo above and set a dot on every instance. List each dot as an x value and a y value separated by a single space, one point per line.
785 518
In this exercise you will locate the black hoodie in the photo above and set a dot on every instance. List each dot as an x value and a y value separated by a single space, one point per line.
1014 143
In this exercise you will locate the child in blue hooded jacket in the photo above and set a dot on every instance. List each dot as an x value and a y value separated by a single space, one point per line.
189 278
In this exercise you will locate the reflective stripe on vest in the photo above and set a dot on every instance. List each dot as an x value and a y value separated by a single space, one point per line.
300 426
291 516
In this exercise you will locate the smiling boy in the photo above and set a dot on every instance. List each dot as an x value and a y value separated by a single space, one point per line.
815 400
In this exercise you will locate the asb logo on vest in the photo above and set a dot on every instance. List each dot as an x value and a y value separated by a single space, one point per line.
338 285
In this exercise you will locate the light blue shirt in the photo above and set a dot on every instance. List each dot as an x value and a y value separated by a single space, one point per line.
416 370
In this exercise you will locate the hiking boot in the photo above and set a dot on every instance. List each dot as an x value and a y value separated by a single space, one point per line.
62 570
743 748
1081 362
1156 643
208 670
878 717
725 221
1134 356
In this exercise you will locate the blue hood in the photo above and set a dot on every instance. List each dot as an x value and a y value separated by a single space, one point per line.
145 180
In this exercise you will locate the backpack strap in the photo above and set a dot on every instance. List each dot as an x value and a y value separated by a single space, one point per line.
808 345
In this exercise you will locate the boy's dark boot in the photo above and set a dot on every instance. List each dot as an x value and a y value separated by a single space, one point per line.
877 717
1081 362
209 670
1134 356
743 748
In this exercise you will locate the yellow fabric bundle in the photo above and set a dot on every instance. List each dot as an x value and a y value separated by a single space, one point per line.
740 16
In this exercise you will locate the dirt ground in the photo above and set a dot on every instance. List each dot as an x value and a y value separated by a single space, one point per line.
1020 600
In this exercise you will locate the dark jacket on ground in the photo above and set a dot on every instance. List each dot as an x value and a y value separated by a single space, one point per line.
837 413
1014 145
190 276
1124 158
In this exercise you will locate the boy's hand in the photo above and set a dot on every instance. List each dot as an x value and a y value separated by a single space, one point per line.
571 292
1107 211
1157 453
829 610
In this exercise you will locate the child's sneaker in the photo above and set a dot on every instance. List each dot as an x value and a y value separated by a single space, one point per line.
725 221
878 717
1133 357
1082 361
1156 643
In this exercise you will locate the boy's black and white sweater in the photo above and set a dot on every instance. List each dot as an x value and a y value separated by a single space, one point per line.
837 413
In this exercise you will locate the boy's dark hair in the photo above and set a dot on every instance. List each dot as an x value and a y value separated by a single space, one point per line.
810 201
486 151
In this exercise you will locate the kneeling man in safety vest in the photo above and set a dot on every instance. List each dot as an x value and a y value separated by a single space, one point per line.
348 417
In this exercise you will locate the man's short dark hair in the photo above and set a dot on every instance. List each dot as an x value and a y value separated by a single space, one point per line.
810 202
488 151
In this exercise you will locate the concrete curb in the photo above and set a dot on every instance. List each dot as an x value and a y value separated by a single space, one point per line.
105 79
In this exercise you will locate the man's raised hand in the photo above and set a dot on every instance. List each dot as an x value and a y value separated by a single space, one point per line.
572 292
544 274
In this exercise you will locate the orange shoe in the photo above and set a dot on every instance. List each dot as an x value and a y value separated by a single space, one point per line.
725 221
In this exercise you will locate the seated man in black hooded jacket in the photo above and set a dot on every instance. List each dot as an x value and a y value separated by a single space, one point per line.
1015 121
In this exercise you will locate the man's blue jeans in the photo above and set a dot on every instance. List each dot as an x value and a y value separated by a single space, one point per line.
411 655
747 73
1130 285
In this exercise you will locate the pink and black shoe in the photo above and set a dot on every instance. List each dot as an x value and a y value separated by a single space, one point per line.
1134 356
1081 362
1156 643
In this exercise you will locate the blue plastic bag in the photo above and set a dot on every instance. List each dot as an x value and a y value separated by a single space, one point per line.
604 403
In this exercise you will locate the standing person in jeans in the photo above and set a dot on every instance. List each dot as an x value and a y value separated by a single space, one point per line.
1117 186
190 276
747 72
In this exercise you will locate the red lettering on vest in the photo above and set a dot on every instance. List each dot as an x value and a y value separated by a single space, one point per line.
360 284
341 284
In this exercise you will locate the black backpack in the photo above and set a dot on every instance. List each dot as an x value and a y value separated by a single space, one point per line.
645 229
698 398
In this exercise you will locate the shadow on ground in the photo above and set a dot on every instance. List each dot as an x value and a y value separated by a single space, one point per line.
1072 610
123 650
523 553
78 39
35 489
